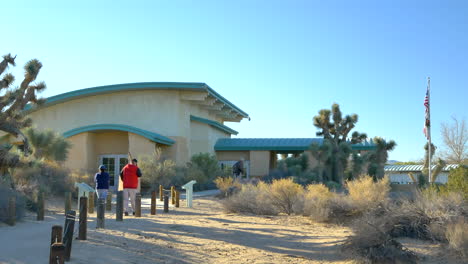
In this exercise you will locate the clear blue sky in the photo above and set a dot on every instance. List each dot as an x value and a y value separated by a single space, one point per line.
280 61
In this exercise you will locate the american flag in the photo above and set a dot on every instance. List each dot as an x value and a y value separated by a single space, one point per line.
428 121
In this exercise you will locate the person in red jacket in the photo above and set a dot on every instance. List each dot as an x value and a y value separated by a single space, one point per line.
129 176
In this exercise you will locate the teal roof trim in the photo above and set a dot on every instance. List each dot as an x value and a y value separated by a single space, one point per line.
276 144
60 98
145 133
214 124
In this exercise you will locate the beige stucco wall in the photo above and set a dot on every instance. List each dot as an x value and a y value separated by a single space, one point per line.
232 155
78 154
203 137
139 146
259 163
155 111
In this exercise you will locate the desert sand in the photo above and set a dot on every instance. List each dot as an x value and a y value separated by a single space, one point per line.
202 234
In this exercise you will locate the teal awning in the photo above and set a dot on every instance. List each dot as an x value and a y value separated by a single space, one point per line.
100 127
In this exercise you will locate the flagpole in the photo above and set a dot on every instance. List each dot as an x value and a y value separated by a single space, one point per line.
429 127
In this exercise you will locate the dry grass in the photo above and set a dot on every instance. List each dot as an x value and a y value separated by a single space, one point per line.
373 244
284 194
227 185
316 202
457 237
430 216
367 194
250 199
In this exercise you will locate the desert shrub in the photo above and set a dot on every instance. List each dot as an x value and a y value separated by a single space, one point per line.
250 199
316 202
158 171
334 186
284 194
293 167
364 195
5 194
373 244
203 168
367 194
457 237
227 185
458 181
48 177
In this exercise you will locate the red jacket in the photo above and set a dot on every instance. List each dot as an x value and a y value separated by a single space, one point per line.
129 176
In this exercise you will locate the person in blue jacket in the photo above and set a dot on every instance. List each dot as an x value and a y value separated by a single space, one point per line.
102 182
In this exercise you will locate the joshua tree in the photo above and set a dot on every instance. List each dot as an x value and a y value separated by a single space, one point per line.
439 165
12 103
335 129
378 157
47 144
321 153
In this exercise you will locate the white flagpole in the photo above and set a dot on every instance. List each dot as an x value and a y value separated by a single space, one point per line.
429 127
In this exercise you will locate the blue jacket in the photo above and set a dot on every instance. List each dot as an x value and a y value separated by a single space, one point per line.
102 180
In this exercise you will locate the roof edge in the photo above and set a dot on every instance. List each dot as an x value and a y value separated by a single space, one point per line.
214 124
98 90
145 133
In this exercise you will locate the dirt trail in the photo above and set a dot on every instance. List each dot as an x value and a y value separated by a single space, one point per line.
204 234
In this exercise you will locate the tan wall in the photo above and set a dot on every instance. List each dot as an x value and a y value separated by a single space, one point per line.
78 154
199 138
179 152
139 145
203 138
259 163
232 155
156 111
112 142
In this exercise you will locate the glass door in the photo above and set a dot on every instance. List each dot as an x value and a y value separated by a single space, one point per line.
114 164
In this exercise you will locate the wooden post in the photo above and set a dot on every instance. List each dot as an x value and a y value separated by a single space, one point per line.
91 202
161 193
109 201
68 200
12 211
56 236
83 218
172 195
119 207
153 202
57 249
138 205
68 233
166 204
177 198
40 206
57 253
100 217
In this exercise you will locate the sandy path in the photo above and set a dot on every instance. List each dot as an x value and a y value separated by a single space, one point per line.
204 234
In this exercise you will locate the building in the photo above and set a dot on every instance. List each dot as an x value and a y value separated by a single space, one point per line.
402 174
106 123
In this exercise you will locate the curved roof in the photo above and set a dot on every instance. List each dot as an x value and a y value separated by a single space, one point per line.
99 127
60 98
214 124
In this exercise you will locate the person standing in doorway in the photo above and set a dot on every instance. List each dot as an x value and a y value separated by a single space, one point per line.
129 176
238 168
101 179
